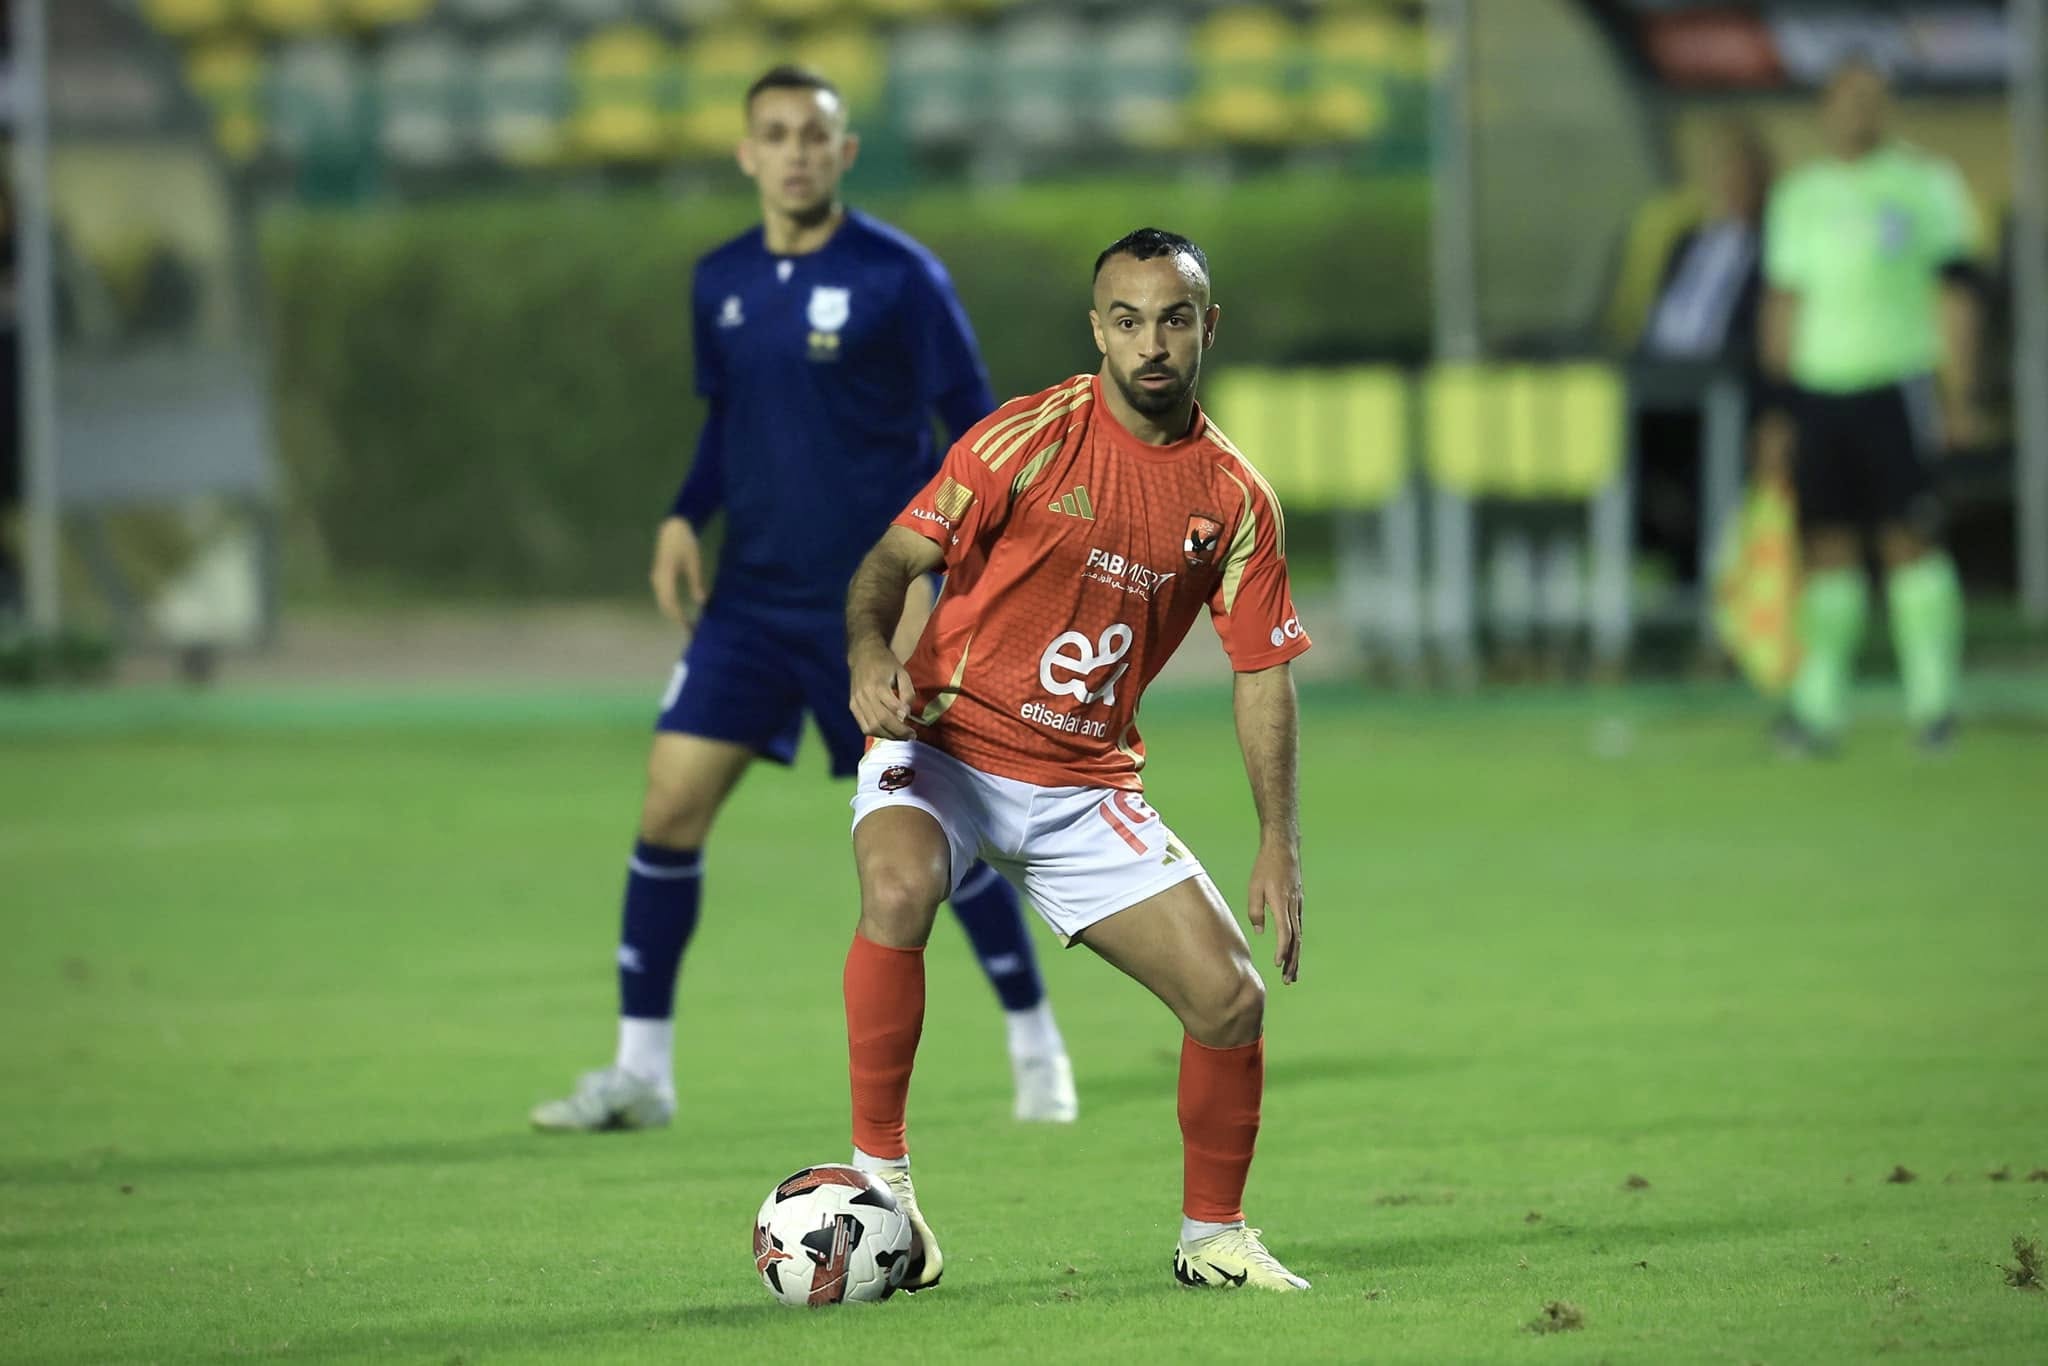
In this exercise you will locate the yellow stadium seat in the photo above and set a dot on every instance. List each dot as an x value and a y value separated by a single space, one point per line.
792 11
852 57
693 13
385 13
1140 80
941 84
422 84
316 96
1525 431
184 18
228 76
718 65
292 17
899 10
1368 440
1351 55
1244 69
1324 439
521 88
621 78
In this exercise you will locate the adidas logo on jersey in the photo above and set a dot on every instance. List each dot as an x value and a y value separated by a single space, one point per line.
1074 504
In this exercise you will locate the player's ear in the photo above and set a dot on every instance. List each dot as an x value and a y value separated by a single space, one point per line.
744 155
849 151
1095 326
1209 326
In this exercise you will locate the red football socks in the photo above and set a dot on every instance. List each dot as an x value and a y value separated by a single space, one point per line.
1219 1126
884 1016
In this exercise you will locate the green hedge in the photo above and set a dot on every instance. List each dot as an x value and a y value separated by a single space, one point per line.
494 397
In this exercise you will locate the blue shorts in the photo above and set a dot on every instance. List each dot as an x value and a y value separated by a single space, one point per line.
749 676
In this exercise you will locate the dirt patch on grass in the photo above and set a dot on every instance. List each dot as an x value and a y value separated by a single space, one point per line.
2038 1174
1636 1183
1900 1176
2027 1274
1396 1198
1558 1316
1532 1217
2002 1174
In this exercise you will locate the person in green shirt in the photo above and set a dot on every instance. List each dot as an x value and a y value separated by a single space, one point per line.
1871 296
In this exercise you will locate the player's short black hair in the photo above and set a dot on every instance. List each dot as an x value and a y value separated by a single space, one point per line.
790 76
1147 243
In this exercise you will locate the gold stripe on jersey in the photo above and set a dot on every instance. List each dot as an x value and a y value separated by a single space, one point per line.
1010 423
1272 500
1125 748
949 694
999 454
1240 553
1035 467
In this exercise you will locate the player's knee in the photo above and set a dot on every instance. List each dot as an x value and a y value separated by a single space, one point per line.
898 904
1236 1013
675 813
1902 546
1831 548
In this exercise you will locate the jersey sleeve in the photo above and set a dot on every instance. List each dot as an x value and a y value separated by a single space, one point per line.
1784 244
1948 218
703 490
710 365
963 504
1252 605
951 380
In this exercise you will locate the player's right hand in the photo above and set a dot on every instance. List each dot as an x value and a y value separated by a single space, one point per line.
676 555
882 695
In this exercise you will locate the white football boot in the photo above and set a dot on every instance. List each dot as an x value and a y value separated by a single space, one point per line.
926 1265
611 1098
1235 1257
1045 1089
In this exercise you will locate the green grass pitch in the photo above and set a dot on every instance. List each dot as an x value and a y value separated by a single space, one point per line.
280 981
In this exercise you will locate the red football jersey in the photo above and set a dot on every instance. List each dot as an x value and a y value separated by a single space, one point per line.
1077 557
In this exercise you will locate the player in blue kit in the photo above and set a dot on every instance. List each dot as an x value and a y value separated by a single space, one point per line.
826 344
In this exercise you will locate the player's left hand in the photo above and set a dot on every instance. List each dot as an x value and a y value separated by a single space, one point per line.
882 695
1276 890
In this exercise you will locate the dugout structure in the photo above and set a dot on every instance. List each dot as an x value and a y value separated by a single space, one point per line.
150 493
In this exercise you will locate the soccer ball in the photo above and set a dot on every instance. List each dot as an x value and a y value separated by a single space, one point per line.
826 1235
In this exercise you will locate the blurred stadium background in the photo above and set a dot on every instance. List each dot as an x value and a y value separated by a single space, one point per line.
347 366
379 302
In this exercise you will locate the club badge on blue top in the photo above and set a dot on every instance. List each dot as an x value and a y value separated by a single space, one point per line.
827 313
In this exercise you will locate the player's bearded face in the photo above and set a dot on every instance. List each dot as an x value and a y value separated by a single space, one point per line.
1153 320
796 149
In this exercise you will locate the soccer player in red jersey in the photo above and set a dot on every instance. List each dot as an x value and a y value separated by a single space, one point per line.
1081 530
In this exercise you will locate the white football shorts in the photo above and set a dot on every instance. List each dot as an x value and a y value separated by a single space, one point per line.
1079 854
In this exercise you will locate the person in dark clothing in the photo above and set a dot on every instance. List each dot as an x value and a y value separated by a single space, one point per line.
1706 310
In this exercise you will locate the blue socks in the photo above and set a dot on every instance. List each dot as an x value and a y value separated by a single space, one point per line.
661 912
994 920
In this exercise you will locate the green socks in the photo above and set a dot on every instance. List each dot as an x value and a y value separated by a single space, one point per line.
1927 633
1831 611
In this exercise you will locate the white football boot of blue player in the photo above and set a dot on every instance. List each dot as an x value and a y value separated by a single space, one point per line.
611 1098
1045 1088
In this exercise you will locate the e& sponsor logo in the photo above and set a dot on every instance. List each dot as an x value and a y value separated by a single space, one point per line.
1287 630
1072 659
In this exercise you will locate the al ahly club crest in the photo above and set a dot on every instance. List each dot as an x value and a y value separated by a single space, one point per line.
1204 531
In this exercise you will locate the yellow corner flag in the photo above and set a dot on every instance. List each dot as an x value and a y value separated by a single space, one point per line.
1756 586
